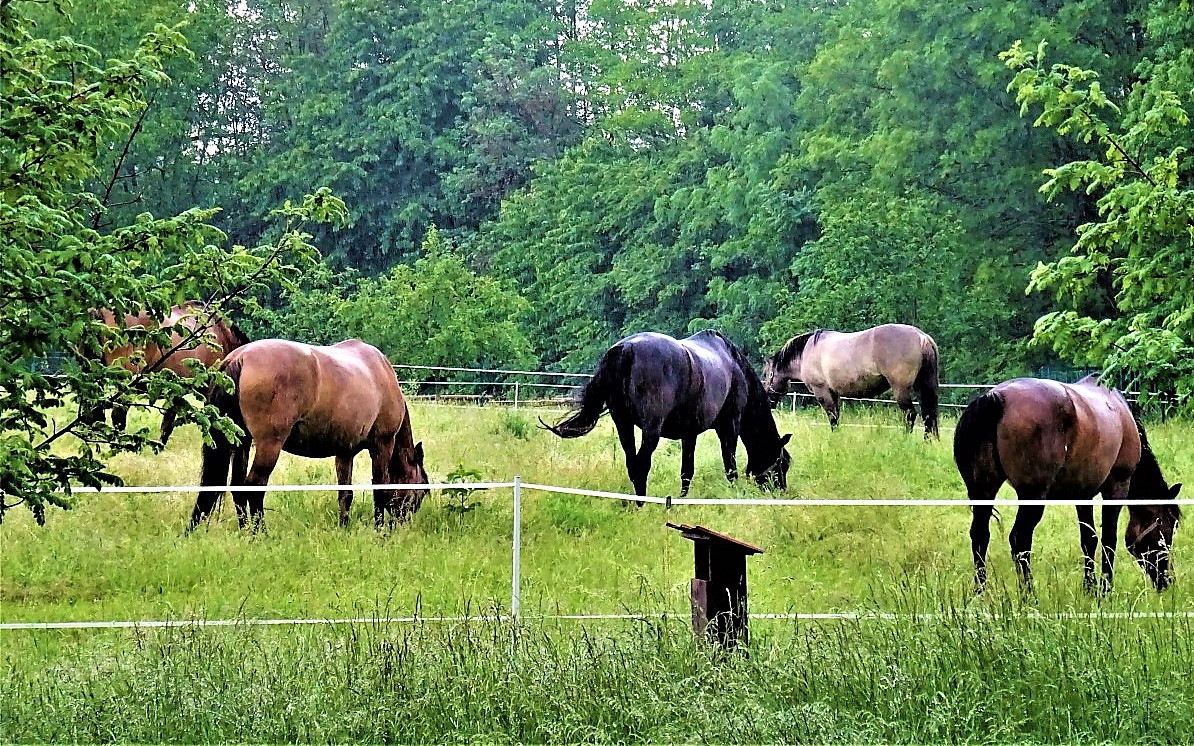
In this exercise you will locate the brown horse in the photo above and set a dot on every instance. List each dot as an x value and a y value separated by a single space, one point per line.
196 334
867 363
1065 442
317 402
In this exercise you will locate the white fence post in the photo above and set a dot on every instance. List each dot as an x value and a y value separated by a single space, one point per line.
514 580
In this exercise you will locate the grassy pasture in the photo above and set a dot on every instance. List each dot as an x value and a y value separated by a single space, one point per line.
980 669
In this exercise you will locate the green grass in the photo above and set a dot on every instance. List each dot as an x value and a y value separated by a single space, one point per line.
989 669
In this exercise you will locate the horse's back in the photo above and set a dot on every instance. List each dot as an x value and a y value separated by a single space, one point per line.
1070 436
321 400
684 383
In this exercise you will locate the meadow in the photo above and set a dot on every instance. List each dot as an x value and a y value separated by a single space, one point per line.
1059 666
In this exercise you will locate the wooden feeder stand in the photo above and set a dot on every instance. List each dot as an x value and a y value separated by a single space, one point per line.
719 588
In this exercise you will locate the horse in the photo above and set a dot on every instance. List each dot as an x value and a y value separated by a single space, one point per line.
1060 441
677 389
195 334
866 363
316 402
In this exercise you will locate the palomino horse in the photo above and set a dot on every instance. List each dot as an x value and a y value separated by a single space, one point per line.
678 389
195 334
317 402
1062 441
867 363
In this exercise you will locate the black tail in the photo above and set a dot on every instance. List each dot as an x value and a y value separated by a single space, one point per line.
594 398
217 455
976 429
927 385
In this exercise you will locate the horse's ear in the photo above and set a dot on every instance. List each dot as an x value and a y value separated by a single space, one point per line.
419 451
784 440
1174 490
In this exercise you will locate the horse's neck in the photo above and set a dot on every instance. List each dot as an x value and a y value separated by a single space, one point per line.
757 426
405 437
1147 482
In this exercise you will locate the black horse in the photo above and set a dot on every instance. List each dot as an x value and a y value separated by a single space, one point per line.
678 389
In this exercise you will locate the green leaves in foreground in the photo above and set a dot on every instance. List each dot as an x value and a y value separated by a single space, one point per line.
1129 281
59 107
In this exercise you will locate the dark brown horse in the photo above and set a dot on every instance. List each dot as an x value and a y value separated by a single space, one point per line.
1061 441
317 402
867 363
196 335
678 389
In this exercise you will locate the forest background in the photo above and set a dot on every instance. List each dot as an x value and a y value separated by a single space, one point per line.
525 182
529 181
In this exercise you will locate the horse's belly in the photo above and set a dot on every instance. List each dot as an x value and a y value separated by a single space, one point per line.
319 442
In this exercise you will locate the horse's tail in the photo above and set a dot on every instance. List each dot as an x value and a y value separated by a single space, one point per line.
927 384
976 431
217 455
594 398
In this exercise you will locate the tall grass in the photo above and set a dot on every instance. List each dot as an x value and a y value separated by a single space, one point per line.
997 668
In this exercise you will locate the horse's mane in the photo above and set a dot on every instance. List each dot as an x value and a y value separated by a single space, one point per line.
1148 469
794 347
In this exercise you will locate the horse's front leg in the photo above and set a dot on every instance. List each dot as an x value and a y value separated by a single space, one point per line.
343 477
727 435
385 500
687 463
830 403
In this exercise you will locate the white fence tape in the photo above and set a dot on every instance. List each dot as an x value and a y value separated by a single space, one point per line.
517 485
772 502
860 616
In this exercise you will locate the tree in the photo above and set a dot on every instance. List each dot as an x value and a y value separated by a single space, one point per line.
59 109
438 312
1127 286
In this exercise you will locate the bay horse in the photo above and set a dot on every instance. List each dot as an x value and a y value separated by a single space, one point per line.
317 402
865 363
1060 441
196 334
678 389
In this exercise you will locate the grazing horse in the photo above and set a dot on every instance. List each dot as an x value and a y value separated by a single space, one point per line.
866 363
1060 441
678 389
195 334
316 402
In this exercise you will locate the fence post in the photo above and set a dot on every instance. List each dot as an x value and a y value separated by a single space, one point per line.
514 594
516 394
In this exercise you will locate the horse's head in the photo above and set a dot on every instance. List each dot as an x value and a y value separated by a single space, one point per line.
774 383
774 474
406 467
1149 537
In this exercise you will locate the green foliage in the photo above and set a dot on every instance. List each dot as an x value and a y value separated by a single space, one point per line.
462 474
1138 254
59 108
438 312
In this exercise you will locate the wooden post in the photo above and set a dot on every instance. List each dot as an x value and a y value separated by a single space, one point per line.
718 590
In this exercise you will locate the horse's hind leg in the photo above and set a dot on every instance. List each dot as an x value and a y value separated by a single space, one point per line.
264 460
1089 542
168 418
625 428
727 434
1027 518
903 397
240 468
